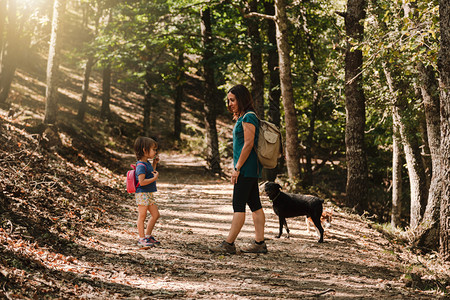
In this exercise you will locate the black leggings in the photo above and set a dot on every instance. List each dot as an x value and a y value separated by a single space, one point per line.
246 191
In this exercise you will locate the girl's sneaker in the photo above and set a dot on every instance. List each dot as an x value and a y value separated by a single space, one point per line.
145 243
153 240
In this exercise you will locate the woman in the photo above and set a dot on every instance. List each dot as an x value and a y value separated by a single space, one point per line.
246 172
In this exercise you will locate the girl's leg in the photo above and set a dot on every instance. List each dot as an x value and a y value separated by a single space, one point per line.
154 212
236 226
259 220
142 210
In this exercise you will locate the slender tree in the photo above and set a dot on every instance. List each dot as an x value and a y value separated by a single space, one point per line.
284 60
410 145
89 63
105 109
427 233
444 72
274 80
179 95
51 93
356 159
397 181
287 94
3 10
106 92
212 139
11 52
257 78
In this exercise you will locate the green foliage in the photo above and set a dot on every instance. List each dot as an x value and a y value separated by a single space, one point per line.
142 40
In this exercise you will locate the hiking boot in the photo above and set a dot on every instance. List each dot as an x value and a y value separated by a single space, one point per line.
153 241
224 247
255 248
145 243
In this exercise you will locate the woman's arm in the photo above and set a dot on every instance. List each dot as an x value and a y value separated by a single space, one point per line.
249 138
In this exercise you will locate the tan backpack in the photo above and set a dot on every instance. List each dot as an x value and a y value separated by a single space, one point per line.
269 146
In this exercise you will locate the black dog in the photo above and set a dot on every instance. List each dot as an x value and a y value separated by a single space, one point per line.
292 205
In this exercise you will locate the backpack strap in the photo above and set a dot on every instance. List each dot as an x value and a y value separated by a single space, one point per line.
252 112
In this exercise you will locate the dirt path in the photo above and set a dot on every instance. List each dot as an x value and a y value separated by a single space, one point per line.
354 262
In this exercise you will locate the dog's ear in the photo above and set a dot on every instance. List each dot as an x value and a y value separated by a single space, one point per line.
278 186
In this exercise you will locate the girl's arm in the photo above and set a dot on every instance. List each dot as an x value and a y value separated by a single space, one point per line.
143 181
155 162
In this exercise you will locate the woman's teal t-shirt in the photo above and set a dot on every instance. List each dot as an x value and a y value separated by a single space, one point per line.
251 167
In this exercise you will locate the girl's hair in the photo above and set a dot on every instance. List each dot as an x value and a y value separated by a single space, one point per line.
243 97
143 144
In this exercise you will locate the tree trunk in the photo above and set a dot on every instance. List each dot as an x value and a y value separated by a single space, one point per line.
444 70
212 139
146 126
105 111
179 94
274 83
292 144
309 179
11 52
90 61
357 173
51 93
2 31
416 171
396 178
87 75
427 233
257 89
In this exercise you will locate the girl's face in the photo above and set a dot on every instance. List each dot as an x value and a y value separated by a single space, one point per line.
232 103
150 153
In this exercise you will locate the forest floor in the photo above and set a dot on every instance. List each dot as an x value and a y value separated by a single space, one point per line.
70 233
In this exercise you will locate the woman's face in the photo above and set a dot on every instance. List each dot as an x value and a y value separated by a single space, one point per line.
232 103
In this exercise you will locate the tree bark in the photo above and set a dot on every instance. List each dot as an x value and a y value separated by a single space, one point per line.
427 233
274 83
416 171
309 178
444 71
357 172
3 9
90 61
287 94
257 89
105 110
11 52
397 190
212 139
85 90
51 93
147 107
179 94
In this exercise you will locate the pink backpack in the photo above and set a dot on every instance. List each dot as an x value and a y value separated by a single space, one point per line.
131 179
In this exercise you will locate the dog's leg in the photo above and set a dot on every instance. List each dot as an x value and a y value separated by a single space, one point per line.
316 220
281 221
287 229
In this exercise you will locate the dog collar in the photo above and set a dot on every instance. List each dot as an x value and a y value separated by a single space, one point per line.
275 197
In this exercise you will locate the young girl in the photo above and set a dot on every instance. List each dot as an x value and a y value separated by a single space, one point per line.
146 174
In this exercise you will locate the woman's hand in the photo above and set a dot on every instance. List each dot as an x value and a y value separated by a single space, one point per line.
234 176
